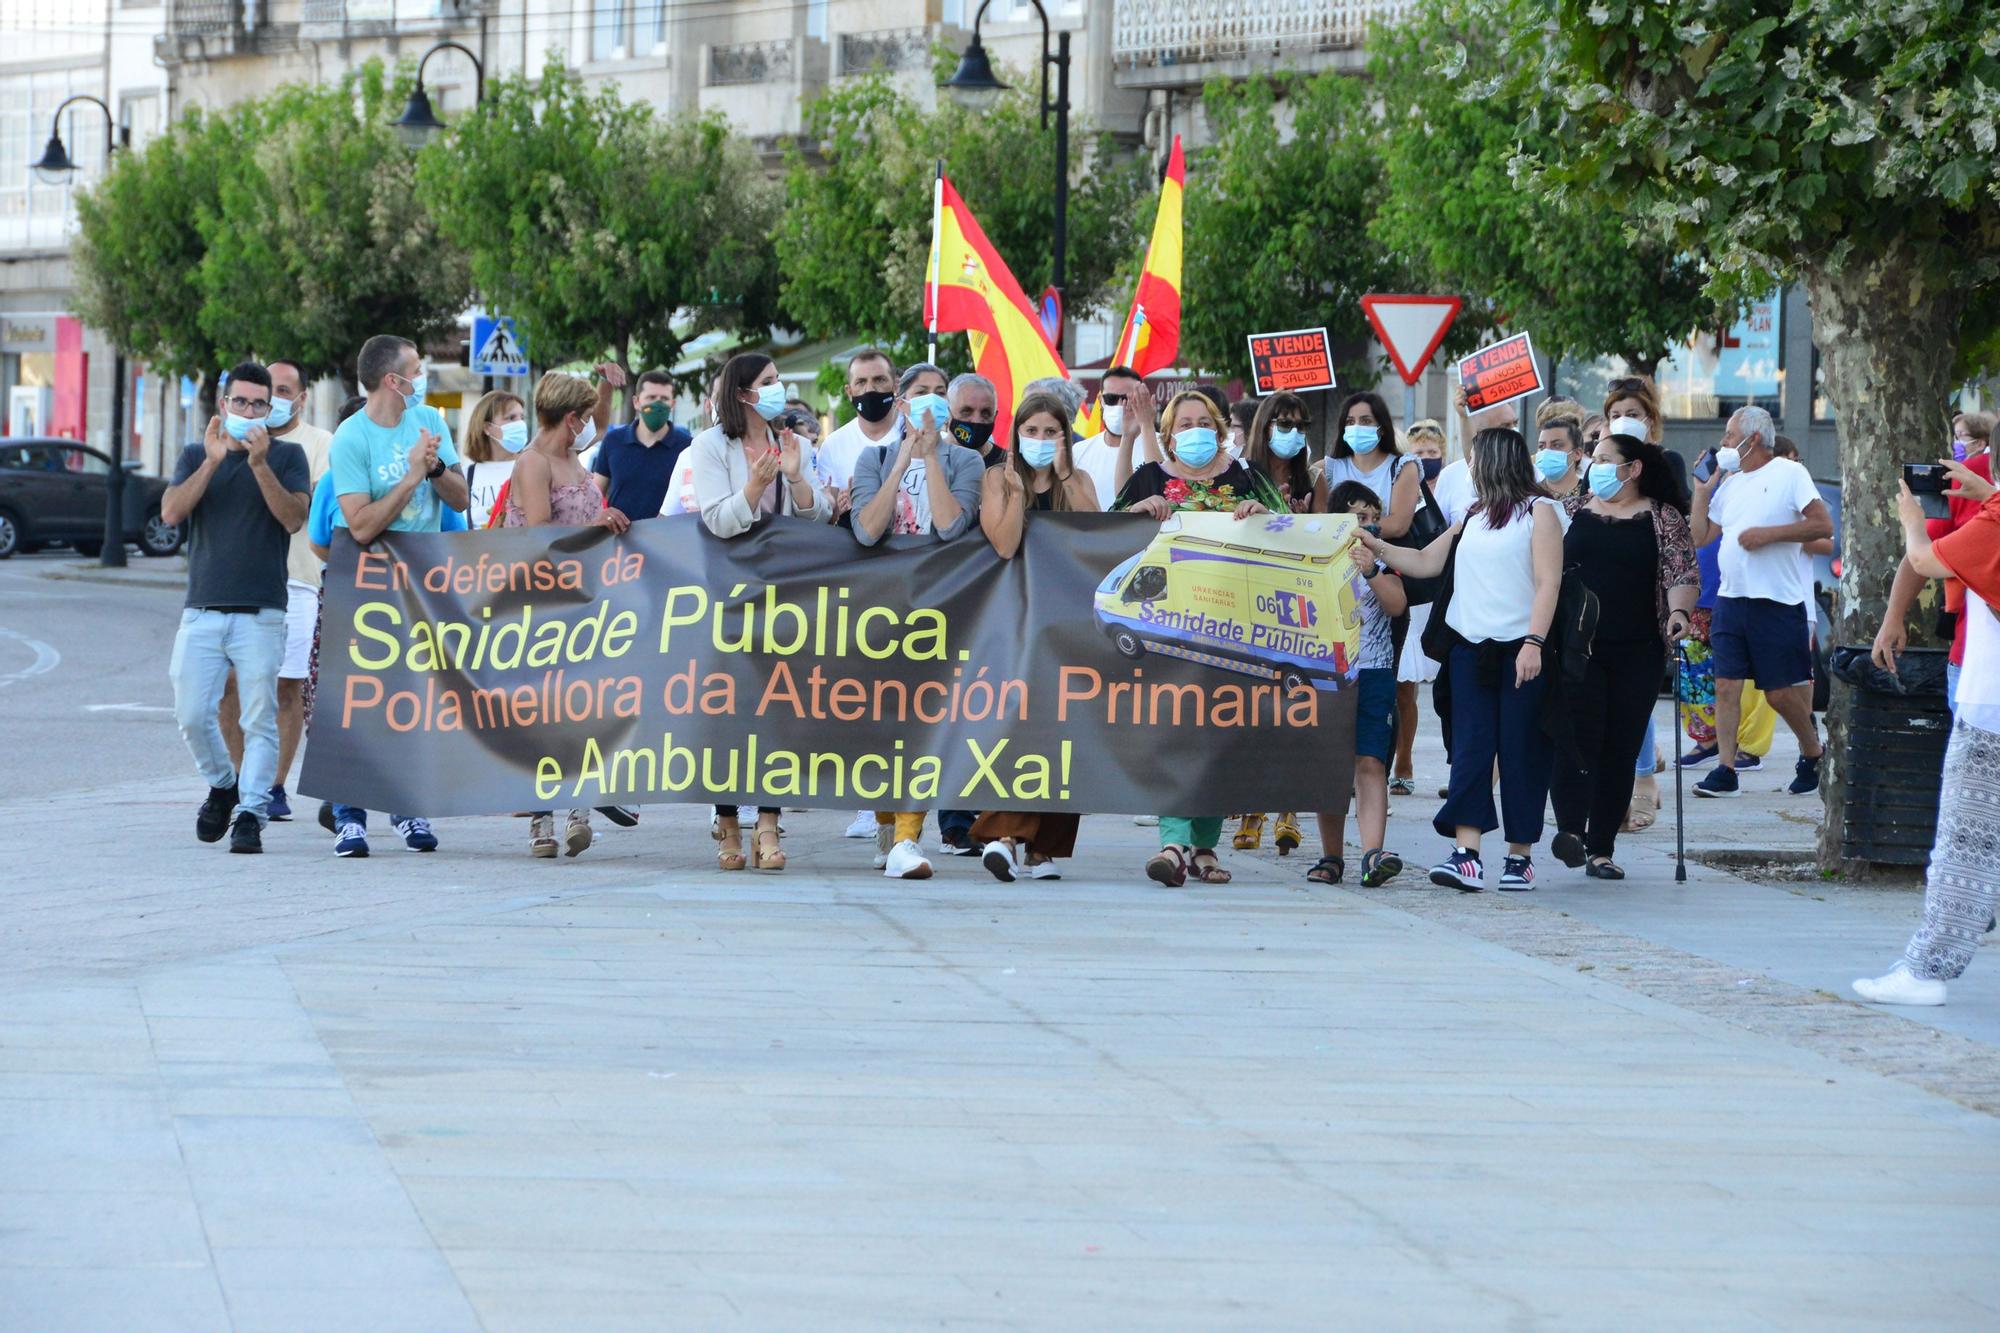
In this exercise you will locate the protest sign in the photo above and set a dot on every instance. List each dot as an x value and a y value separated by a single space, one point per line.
1499 373
1298 361
1114 665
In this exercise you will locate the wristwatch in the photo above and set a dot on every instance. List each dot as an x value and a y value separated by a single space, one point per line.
436 471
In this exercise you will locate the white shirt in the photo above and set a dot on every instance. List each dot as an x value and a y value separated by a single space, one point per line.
1097 458
1378 476
679 500
482 485
840 448
301 565
1493 583
1452 490
1775 494
1979 677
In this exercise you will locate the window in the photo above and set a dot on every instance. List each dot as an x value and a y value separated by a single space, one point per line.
650 25
84 462
1712 376
1149 583
607 30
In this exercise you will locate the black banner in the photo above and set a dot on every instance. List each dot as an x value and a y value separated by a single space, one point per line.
1115 665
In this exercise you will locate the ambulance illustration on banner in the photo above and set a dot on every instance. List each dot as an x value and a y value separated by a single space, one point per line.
1272 596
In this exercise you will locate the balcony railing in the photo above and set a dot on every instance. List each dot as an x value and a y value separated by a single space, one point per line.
749 62
1190 32
882 52
203 18
207 29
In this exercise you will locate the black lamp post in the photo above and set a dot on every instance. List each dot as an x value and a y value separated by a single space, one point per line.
974 86
54 166
419 124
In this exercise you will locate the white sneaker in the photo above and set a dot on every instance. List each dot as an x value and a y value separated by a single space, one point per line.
1043 870
906 861
1899 986
999 859
885 838
1146 821
862 827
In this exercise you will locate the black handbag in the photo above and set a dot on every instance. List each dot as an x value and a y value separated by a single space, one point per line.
1437 638
1426 526
1574 630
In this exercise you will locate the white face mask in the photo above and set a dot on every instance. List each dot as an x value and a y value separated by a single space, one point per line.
1728 458
1114 420
1632 428
584 436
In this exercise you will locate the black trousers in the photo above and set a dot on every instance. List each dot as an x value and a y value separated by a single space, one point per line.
1608 714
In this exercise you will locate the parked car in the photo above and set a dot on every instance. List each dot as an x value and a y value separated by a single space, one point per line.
52 491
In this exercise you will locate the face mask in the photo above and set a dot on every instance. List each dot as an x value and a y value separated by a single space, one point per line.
419 386
1604 481
238 427
770 403
656 415
1432 466
1362 439
1287 443
1551 463
584 436
514 436
1729 460
1038 453
972 434
1195 446
1632 428
1114 420
1958 450
875 404
932 405
281 413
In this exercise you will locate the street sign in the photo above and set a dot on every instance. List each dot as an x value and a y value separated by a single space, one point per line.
496 350
1051 309
1410 327
1499 373
1296 361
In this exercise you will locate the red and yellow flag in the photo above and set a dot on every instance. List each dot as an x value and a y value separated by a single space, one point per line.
969 289
1152 335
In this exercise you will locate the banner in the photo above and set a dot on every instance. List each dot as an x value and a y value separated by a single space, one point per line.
1115 665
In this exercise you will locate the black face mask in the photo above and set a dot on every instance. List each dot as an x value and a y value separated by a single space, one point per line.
1432 466
873 405
972 434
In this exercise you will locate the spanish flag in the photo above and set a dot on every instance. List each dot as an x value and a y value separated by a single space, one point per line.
1152 335
970 289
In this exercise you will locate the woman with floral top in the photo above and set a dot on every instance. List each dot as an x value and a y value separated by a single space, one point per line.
1196 475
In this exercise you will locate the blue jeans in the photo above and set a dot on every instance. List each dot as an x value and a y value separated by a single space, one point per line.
1492 717
1951 686
1643 766
208 644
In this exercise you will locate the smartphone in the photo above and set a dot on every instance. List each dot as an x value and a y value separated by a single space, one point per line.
1704 466
1927 481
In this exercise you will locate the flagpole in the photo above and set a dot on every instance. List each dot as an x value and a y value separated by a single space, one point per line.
937 250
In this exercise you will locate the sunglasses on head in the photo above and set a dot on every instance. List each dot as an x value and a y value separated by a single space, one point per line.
1630 384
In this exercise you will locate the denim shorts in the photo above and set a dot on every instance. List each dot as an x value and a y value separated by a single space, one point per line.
1759 640
1375 712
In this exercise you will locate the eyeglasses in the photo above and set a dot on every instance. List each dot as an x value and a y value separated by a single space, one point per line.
1112 399
1290 423
248 407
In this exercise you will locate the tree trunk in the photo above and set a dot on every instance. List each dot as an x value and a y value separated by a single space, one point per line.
1886 332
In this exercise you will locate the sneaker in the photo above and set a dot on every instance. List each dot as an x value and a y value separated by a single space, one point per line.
246 835
1568 849
1721 782
1805 778
353 841
1748 763
1699 755
212 820
906 861
863 825
999 858
1900 986
624 816
280 809
885 838
1517 874
542 837
417 835
1043 870
326 817
576 833
955 845
1462 871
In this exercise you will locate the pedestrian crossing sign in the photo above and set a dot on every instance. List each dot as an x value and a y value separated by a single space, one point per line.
496 349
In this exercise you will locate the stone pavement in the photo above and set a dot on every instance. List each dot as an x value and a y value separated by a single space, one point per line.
473 1090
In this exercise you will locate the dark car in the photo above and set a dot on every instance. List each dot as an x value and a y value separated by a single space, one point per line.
53 491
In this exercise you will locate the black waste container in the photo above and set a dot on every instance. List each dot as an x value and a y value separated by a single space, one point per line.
1897 730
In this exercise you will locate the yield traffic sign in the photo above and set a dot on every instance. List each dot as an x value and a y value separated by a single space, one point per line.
1410 327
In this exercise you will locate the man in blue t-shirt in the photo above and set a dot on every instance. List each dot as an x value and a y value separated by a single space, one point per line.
635 464
393 470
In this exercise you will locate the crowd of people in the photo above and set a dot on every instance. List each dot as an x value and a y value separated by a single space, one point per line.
1542 587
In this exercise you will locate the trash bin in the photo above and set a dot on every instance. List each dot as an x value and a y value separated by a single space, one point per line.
1897 730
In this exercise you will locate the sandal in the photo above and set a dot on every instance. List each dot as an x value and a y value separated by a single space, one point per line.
542 836
576 833
1168 867
1639 816
1286 834
1212 873
774 859
1402 787
1378 867
1249 834
726 832
1327 870
1603 867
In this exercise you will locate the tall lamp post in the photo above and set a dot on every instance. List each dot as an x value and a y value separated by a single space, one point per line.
974 86
56 166
419 124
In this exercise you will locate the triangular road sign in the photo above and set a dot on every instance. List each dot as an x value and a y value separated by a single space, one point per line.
1411 327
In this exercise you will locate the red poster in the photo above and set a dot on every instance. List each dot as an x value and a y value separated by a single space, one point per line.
1298 361
1499 373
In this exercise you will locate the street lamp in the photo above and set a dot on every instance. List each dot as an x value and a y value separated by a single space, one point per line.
419 124
54 168
974 86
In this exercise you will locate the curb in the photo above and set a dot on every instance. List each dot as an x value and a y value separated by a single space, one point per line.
98 574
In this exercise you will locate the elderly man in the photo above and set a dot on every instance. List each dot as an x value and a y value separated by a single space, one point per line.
974 405
1766 509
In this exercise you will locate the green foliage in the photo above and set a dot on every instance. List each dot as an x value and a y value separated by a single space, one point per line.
857 230
1277 228
596 223
1573 273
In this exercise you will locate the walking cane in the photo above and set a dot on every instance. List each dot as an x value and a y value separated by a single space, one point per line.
1680 822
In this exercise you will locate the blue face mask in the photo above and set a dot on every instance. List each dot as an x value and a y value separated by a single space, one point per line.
514 436
1195 446
419 386
932 404
1432 466
1604 482
1038 453
281 413
770 403
239 427
1362 439
1287 443
1551 463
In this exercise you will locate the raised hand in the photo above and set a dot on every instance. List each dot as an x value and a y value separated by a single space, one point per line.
763 469
257 442
214 441
611 373
790 456
1139 408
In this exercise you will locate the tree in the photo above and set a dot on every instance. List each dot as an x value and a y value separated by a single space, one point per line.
1573 273
318 240
856 232
598 225
1278 226
1847 143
